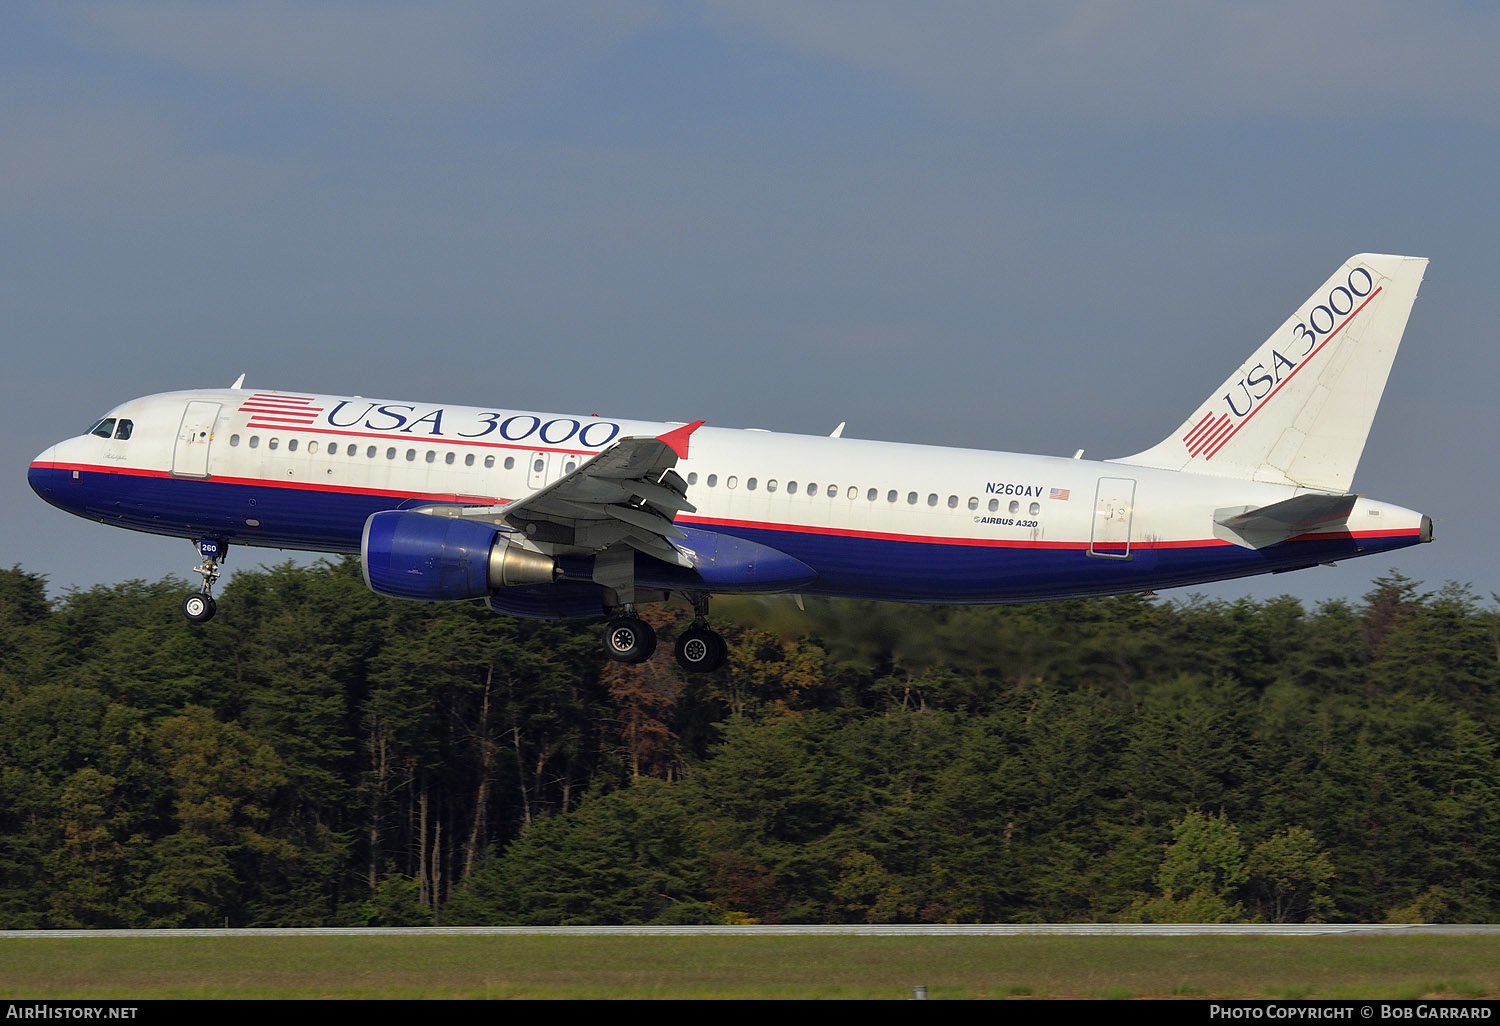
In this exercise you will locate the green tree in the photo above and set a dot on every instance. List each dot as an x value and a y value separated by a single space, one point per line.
1289 878
633 856
1203 868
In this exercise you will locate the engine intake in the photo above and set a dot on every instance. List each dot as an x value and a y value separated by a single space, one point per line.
444 559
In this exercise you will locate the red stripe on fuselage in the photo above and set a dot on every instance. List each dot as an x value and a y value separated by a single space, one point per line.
296 486
1009 543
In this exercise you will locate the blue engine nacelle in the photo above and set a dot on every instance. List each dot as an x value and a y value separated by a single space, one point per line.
431 558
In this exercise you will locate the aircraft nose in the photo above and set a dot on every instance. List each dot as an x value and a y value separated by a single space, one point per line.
42 474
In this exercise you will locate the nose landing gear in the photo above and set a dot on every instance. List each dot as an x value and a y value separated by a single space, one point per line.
200 607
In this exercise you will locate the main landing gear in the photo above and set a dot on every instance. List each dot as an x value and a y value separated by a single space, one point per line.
699 649
199 607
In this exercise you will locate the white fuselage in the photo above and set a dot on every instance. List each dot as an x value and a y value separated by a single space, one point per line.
875 519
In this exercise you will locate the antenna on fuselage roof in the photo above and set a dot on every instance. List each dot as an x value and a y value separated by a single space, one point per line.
838 432
238 382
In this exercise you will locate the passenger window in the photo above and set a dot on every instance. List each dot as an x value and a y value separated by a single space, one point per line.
932 498
890 496
510 463
791 487
105 428
713 479
973 502
1035 508
312 448
369 453
911 498
489 461
1014 507
272 443
953 502
693 478
234 439
468 459
538 466
255 441
812 490
731 481
291 445
771 485
122 432
390 453
994 505
872 495
833 491
750 484
411 455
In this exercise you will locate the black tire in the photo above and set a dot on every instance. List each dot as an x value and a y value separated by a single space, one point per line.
199 608
700 650
629 639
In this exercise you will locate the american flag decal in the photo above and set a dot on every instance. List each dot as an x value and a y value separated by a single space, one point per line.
274 410
1059 493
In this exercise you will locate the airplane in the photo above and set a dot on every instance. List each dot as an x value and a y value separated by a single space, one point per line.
571 516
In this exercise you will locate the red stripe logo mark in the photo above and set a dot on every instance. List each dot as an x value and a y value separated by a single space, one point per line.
1207 430
274 410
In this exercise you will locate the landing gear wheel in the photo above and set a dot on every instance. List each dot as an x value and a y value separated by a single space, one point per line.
199 608
629 639
700 650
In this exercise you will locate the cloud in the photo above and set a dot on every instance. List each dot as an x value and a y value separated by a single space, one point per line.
1157 62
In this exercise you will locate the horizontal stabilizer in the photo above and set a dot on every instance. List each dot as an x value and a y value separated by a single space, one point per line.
1257 527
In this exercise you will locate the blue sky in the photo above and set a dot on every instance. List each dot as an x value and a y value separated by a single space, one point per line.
1035 227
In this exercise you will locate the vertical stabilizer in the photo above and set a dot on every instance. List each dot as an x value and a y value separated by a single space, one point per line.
1298 410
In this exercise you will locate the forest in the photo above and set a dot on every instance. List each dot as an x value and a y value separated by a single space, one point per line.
318 755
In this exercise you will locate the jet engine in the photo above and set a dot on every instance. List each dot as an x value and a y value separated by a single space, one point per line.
432 558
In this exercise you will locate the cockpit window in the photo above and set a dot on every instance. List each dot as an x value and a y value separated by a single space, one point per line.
104 428
123 429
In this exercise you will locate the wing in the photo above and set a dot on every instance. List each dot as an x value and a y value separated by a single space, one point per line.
628 494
